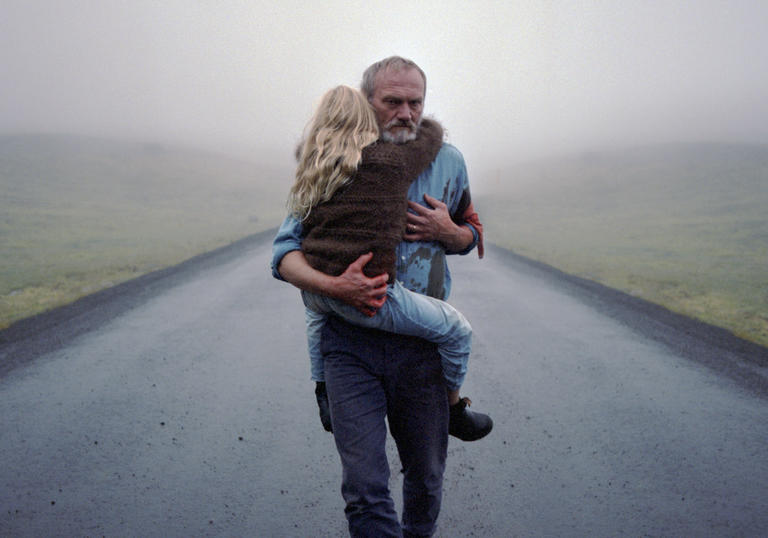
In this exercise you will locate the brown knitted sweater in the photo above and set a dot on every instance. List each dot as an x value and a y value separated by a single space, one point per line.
368 214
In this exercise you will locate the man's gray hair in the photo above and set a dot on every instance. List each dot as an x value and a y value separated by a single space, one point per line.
396 63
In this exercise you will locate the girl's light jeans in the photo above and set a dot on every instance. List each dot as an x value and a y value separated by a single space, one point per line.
404 312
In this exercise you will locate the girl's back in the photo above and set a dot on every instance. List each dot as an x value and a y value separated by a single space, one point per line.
368 214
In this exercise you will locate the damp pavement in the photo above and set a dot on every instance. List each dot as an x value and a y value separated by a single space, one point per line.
180 404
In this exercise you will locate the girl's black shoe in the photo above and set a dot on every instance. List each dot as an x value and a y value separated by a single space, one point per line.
468 425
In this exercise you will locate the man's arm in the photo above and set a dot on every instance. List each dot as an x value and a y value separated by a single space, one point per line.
450 220
352 286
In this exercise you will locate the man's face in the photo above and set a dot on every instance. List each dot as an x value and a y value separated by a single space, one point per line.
398 99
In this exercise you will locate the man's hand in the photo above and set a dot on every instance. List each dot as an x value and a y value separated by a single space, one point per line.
434 223
354 288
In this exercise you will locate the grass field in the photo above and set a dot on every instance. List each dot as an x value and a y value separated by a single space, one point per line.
682 226
78 215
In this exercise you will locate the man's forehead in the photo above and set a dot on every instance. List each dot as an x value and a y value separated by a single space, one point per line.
405 80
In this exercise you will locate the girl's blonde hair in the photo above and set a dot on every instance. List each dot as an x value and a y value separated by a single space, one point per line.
343 124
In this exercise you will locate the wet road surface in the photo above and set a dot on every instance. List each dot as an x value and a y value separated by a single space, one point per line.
180 405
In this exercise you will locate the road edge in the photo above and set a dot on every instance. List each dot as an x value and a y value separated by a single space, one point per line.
741 360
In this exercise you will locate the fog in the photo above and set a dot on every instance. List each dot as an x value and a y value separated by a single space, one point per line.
510 81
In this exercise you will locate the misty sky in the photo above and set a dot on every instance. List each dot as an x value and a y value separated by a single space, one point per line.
510 81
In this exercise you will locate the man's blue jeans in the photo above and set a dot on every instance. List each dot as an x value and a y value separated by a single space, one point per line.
371 375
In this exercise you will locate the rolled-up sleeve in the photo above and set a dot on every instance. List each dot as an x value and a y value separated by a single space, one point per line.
472 245
462 210
288 239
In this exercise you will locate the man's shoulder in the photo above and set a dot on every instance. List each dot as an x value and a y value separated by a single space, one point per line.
450 154
449 163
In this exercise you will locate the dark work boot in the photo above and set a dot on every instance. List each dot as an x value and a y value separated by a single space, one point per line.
322 404
468 425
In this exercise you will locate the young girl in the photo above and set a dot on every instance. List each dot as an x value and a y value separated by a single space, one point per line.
351 196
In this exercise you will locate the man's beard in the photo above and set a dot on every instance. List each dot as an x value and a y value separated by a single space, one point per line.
402 135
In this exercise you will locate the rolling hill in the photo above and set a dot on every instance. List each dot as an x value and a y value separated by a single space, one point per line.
684 225
79 214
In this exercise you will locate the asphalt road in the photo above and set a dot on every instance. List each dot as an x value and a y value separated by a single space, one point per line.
180 405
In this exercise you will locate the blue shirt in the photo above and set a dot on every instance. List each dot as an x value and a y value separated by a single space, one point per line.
421 265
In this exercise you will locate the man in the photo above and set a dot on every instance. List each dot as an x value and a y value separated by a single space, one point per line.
371 375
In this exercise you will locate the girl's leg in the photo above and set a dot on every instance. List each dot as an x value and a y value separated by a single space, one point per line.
437 321
315 323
